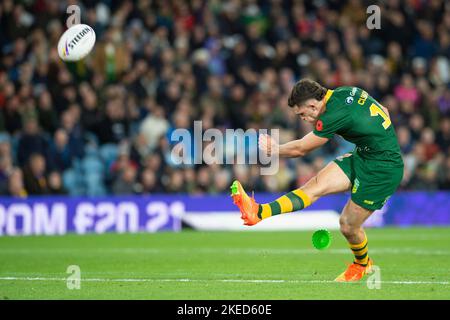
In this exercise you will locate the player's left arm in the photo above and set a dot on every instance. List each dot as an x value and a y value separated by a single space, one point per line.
292 149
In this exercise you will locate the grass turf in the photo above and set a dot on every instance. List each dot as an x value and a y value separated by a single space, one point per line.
414 264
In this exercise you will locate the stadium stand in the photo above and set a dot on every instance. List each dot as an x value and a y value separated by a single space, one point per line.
102 125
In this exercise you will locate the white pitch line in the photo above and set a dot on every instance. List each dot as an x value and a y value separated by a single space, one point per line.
257 251
409 237
211 280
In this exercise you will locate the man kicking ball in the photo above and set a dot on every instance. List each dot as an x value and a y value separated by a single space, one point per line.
372 172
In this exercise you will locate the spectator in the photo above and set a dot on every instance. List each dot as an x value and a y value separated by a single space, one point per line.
90 109
404 139
61 154
48 118
406 90
444 176
126 181
70 124
6 169
114 126
428 141
55 185
12 119
6 162
15 184
35 175
174 182
31 141
443 136
154 126
149 182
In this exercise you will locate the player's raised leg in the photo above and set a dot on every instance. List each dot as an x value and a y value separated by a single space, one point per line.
351 220
330 179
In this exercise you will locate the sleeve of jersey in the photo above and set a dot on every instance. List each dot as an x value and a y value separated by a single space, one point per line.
327 126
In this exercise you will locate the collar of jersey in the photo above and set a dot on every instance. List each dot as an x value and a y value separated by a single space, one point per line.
328 95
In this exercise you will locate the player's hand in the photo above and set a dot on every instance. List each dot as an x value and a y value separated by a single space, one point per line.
268 145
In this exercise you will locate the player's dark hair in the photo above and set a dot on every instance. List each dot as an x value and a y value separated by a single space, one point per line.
305 89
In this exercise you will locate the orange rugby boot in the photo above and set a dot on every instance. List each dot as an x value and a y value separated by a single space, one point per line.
355 272
247 206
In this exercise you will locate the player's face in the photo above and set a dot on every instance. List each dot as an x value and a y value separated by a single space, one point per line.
309 111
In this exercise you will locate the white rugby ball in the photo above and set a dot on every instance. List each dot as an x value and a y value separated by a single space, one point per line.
76 42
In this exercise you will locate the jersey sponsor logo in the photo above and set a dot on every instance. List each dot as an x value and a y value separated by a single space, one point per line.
363 149
349 100
319 125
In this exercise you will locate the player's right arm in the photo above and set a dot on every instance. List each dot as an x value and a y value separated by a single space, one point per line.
292 149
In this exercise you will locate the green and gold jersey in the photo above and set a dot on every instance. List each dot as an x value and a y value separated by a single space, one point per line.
357 117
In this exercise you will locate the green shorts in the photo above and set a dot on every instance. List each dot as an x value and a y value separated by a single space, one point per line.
373 182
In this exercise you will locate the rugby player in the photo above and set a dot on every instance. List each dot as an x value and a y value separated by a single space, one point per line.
372 171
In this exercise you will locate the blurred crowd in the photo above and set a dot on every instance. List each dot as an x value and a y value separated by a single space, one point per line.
103 125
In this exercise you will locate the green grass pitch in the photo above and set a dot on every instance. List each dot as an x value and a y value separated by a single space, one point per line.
414 264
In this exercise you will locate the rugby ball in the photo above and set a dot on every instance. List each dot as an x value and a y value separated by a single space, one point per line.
76 42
